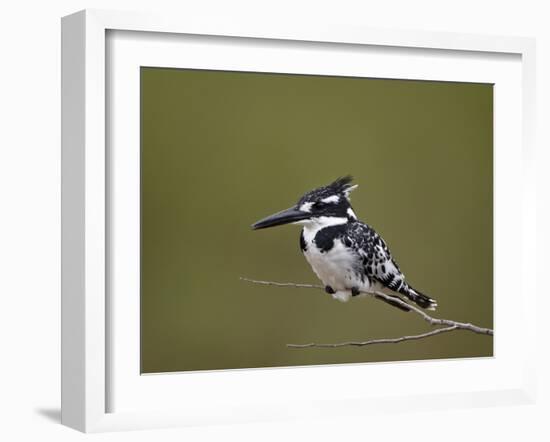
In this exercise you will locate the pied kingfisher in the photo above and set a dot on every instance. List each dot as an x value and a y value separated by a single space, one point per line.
348 256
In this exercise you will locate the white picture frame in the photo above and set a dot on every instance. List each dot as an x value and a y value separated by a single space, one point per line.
87 355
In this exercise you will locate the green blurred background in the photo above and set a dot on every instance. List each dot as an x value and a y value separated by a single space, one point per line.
222 149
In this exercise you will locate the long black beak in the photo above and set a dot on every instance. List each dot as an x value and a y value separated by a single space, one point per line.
286 216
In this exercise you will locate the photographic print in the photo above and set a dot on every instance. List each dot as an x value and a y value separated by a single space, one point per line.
294 220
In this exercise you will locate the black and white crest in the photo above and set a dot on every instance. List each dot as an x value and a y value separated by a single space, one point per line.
340 187
330 200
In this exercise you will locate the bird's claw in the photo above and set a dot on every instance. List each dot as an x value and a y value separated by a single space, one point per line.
329 290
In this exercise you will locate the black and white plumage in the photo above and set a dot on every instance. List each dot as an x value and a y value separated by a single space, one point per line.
347 255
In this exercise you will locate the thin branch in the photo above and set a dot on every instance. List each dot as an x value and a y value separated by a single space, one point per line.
450 324
437 331
283 284
437 321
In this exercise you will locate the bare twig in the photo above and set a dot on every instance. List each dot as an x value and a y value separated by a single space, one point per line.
283 284
437 331
450 325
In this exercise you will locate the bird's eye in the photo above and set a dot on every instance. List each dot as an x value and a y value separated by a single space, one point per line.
319 205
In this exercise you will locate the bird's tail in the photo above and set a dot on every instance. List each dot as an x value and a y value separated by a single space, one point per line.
420 298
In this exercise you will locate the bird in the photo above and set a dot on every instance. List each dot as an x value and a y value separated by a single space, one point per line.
347 255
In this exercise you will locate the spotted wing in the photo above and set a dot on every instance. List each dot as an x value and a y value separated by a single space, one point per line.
376 258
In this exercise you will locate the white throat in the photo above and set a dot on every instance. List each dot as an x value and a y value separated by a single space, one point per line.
313 225
321 222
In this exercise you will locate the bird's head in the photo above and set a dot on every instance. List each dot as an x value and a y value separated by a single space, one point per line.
330 202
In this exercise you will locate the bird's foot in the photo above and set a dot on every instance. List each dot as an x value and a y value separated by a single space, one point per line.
329 290
355 291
